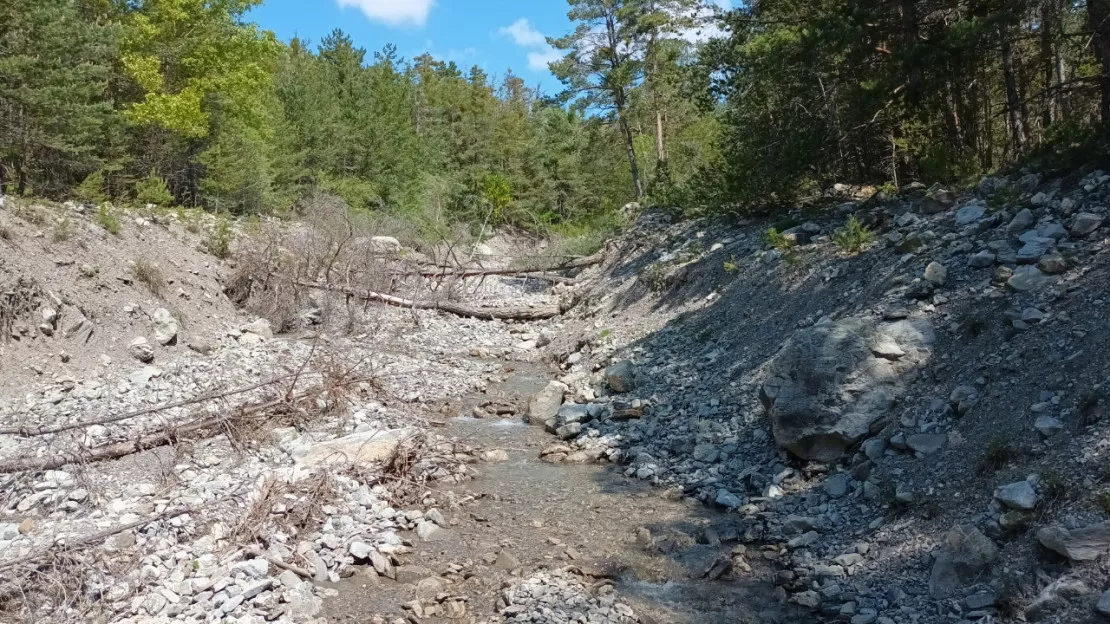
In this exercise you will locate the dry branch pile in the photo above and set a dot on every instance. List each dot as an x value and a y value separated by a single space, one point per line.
286 274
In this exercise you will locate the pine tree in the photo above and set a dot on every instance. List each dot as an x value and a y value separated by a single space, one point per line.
600 67
53 77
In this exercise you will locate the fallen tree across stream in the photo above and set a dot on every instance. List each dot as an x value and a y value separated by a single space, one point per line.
505 313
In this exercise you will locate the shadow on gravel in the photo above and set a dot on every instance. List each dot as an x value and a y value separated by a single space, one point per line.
707 362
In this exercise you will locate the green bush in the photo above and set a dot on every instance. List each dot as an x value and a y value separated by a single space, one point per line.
153 190
91 190
220 238
778 240
64 229
148 273
853 237
106 218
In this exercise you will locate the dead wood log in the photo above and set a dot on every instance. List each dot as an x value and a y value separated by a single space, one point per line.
507 313
257 553
577 263
154 439
211 396
89 540
144 442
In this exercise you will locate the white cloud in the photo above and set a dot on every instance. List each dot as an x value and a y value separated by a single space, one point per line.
393 12
524 34
538 61
541 54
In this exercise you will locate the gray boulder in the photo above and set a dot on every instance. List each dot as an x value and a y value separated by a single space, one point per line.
1019 495
1084 224
544 405
165 327
834 383
965 555
936 273
621 377
1085 544
981 260
970 213
141 350
1026 278
1055 597
1023 221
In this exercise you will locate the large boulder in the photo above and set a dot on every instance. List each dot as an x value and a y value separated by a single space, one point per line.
165 327
1084 544
385 244
621 377
544 406
141 350
834 383
963 558
357 449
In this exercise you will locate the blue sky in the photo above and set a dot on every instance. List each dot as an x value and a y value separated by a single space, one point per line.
495 35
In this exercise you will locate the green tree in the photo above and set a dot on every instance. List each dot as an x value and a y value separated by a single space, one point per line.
600 67
53 77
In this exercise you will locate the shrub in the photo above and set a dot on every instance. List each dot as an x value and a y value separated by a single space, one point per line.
153 190
148 274
997 454
63 230
731 265
106 218
655 276
91 190
778 240
220 238
1053 486
1103 500
853 237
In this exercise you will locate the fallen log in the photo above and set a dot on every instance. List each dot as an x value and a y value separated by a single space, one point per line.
28 432
508 313
159 437
576 263
257 553
90 539
115 450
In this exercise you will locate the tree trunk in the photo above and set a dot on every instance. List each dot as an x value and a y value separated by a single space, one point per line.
1048 63
653 54
1098 16
619 99
1013 96
508 313
630 147
911 35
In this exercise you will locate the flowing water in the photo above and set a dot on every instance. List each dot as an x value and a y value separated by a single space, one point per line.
657 548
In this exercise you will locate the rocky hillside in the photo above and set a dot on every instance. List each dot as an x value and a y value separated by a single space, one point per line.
874 410
165 456
911 433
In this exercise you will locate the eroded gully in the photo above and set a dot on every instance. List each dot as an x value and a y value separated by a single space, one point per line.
674 561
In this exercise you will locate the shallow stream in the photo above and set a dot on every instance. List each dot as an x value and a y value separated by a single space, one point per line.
656 548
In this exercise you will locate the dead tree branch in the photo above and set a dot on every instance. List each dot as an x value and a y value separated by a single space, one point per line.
95 538
508 313
203 398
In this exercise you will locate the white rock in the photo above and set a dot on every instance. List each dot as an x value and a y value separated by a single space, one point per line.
165 326
1019 495
141 350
